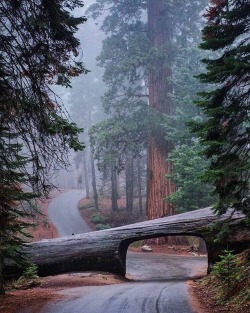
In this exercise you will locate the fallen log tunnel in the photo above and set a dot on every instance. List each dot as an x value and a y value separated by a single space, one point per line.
106 250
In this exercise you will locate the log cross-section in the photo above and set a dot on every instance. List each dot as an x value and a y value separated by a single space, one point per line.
106 250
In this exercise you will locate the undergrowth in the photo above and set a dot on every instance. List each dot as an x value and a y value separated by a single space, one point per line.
229 281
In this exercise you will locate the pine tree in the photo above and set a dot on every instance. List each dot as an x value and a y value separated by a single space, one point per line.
226 132
189 165
12 197
37 49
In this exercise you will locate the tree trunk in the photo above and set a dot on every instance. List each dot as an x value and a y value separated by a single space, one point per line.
2 291
106 250
114 196
160 89
118 186
95 194
129 169
139 184
86 177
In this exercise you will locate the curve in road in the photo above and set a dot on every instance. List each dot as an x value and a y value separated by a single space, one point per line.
157 297
64 214
149 293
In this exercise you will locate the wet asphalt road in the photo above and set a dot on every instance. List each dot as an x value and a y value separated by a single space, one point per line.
126 298
157 285
64 214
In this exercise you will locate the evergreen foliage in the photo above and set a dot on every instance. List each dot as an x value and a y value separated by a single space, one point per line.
127 70
114 137
37 49
228 270
225 133
189 164
12 225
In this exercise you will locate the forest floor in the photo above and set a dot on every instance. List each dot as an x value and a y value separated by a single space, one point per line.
106 216
34 294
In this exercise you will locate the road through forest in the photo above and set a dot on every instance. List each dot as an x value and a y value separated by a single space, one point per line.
64 214
157 282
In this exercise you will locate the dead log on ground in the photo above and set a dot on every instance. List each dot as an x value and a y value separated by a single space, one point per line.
106 250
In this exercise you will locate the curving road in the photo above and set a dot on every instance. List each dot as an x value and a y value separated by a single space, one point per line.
157 281
64 214
159 287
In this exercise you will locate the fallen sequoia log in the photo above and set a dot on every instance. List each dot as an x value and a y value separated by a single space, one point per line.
106 250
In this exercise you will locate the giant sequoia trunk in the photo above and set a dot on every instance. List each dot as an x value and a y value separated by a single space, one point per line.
106 250
160 88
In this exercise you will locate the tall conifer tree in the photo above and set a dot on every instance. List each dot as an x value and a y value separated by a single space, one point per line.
139 53
13 177
226 132
37 49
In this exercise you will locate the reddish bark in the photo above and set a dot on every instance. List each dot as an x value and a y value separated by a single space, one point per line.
160 89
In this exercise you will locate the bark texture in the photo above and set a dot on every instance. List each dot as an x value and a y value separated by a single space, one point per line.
160 89
106 250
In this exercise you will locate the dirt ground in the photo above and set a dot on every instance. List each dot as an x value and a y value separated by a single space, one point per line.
168 249
46 291
203 300
43 228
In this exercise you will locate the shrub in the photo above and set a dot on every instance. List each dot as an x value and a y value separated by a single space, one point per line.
98 218
29 274
137 244
228 271
88 205
102 226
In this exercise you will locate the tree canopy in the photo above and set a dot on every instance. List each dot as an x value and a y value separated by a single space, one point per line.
38 48
225 134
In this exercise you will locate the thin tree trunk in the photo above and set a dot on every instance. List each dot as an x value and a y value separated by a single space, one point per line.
139 184
160 89
114 196
95 194
86 177
118 186
2 291
129 169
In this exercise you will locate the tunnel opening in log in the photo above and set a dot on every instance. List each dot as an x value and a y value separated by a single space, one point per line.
165 257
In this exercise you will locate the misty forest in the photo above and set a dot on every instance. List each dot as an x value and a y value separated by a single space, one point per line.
123 112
